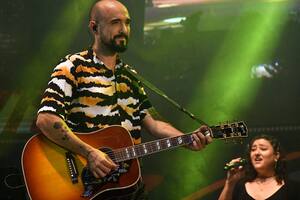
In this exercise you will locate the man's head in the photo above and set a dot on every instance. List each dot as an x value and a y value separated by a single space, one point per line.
110 25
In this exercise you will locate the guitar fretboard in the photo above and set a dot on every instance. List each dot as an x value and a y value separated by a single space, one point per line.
147 148
233 130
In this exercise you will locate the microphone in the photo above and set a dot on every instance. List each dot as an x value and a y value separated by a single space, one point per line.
242 162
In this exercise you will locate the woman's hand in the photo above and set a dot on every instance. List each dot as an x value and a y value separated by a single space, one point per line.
234 174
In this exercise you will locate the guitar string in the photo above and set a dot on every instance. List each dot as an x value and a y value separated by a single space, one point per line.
119 152
135 149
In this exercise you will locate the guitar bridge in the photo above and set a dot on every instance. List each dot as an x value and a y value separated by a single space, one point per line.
71 164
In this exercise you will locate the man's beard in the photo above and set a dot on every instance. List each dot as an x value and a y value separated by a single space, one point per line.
119 48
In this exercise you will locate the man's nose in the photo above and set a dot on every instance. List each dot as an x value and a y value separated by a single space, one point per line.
125 28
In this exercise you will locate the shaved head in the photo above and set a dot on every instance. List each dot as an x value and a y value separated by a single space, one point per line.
110 25
100 7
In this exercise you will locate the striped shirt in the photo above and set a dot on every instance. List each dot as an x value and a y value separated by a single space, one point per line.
88 96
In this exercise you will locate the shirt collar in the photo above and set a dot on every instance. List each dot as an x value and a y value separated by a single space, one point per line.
93 56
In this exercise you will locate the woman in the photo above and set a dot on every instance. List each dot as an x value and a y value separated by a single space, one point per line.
263 177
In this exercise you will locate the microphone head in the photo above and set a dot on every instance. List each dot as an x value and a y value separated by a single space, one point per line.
228 166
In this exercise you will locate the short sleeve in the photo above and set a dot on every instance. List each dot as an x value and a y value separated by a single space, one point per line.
145 103
59 92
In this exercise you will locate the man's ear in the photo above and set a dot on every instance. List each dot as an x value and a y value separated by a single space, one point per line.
93 26
95 29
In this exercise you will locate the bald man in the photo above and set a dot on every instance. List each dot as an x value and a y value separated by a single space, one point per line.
93 89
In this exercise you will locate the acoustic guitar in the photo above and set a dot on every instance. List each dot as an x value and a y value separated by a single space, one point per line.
53 173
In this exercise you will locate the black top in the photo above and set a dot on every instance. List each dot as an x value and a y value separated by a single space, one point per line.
289 191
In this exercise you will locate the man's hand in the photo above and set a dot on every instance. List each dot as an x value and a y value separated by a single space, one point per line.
100 163
202 137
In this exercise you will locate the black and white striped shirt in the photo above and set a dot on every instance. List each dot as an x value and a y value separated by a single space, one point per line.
88 96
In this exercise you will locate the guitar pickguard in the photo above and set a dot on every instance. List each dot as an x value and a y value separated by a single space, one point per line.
92 184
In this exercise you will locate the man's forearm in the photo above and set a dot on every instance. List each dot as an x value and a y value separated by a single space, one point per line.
166 130
160 129
57 130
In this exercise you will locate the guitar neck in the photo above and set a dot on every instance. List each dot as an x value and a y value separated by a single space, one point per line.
225 131
147 148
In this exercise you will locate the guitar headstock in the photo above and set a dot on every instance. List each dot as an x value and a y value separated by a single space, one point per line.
233 130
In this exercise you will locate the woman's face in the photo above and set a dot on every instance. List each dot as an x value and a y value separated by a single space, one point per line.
263 157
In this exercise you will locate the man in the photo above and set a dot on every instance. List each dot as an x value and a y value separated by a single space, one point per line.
91 90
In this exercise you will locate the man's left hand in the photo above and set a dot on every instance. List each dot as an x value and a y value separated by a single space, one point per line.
202 137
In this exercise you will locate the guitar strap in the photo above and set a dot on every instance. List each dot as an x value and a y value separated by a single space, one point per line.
162 94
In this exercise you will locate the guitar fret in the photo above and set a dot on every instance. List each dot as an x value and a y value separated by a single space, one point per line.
174 142
188 139
164 144
154 146
132 152
119 155
149 148
138 150
124 155
116 155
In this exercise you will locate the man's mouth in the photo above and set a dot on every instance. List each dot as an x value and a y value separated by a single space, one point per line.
121 39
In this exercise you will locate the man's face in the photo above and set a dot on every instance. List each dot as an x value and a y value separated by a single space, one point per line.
114 29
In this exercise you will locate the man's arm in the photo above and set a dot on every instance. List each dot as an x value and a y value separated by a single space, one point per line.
162 129
57 130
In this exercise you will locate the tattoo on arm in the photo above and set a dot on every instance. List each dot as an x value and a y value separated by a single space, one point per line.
65 137
60 126
57 125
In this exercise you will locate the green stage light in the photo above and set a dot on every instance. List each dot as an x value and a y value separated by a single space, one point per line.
59 37
227 90
53 46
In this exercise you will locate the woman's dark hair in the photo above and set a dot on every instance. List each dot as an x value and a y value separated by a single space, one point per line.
280 168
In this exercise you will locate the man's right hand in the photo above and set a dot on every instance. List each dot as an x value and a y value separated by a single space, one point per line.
100 163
